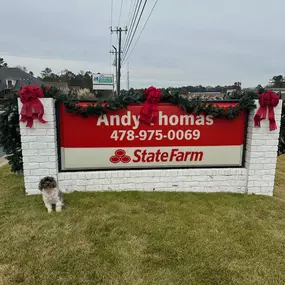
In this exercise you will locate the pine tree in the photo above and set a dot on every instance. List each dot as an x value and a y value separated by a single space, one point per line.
10 138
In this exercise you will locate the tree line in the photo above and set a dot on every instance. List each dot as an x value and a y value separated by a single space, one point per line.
83 79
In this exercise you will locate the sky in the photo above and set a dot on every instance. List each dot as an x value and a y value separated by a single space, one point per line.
185 42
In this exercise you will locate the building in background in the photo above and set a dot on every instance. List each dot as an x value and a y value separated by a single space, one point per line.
12 79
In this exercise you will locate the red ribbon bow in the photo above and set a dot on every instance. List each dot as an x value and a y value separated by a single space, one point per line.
32 107
149 111
267 101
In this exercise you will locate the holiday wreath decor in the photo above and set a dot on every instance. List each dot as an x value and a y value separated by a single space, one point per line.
149 111
150 99
33 109
268 100
32 106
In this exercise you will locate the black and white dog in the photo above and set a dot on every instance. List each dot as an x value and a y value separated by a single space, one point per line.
51 194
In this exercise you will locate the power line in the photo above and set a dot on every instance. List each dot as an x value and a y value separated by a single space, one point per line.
141 32
130 12
112 5
131 27
122 2
128 47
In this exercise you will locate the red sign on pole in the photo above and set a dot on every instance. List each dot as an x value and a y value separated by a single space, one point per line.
119 140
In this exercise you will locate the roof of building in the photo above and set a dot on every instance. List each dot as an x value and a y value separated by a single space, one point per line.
21 77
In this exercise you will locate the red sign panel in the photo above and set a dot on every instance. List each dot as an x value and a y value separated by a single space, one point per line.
177 139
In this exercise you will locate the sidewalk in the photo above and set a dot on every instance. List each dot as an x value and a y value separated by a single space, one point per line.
3 161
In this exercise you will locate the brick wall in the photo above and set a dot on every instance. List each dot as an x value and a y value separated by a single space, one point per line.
40 159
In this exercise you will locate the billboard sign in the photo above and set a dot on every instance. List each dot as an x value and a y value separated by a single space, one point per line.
119 140
103 81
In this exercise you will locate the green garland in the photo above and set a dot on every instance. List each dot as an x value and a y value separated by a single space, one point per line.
245 101
10 138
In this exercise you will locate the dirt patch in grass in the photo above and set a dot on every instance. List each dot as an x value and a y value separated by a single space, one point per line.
138 238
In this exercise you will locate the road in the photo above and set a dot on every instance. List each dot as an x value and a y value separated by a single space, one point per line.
1 151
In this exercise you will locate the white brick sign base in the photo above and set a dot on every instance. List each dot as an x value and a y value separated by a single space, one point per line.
39 145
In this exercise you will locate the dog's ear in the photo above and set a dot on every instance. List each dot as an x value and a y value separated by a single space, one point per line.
41 187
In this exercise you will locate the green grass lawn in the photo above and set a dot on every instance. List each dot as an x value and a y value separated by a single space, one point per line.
142 238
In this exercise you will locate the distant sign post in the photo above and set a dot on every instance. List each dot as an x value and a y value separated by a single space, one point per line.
103 81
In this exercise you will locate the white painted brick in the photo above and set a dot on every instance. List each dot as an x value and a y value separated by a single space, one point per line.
31 166
109 175
271 155
49 117
67 176
31 132
46 139
30 152
32 179
40 172
26 159
27 172
52 172
82 176
90 188
49 111
39 158
47 165
256 154
90 182
27 139
65 183
52 158
258 178
269 166
49 152
199 178
271 142
48 125
116 181
35 145
51 145
102 175
256 166
51 132
120 174
81 182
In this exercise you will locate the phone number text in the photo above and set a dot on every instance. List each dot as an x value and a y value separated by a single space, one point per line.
147 135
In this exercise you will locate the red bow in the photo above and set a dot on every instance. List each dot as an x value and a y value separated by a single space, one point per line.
32 107
149 111
267 101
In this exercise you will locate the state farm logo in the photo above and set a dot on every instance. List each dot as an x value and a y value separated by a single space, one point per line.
174 155
120 156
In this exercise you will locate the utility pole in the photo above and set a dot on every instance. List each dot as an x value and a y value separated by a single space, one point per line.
128 78
119 31
116 65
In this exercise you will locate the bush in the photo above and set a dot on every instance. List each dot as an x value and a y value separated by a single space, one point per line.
10 138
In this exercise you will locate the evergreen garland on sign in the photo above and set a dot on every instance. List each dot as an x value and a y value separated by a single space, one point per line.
195 105
9 120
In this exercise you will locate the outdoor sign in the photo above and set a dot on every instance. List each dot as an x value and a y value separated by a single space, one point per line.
119 140
103 81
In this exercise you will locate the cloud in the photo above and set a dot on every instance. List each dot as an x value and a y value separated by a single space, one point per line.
185 42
